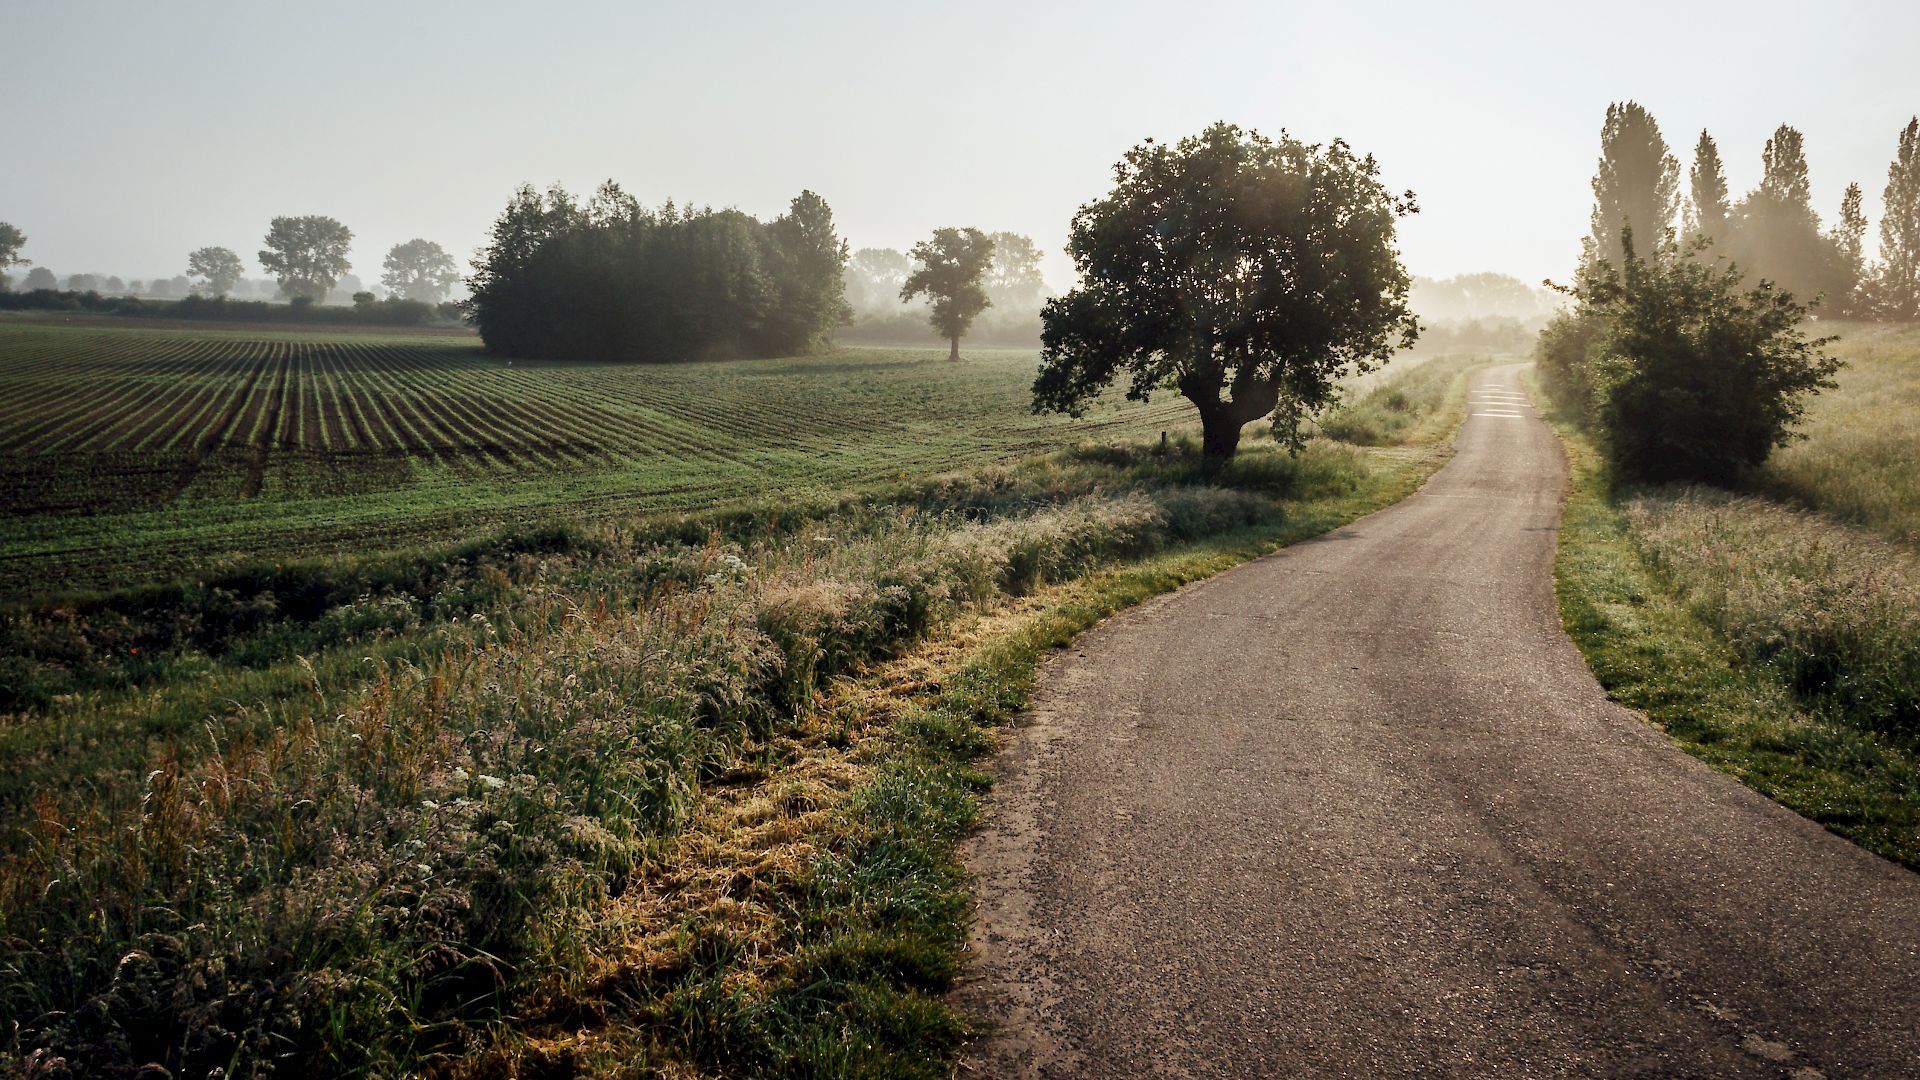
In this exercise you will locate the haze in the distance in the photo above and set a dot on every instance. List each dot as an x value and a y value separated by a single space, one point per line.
138 132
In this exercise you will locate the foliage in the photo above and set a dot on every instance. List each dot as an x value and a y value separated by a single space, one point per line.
611 280
1013 280
11 241
1897 273
1568 357
82 283
1776 234
221 267
950 268
1707 207
1230 262
1636 186
41 278
874 277
419 270
1849 238
306 254
1696 379
390 312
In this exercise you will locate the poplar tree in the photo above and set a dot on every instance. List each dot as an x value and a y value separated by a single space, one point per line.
1776 231
1897 281
1636 186
1707 183
1849 238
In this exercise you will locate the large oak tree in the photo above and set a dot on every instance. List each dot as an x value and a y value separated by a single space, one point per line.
1247 274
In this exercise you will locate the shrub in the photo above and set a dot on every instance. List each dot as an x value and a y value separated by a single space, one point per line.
1698 379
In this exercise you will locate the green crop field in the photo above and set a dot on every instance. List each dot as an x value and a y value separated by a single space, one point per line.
134 453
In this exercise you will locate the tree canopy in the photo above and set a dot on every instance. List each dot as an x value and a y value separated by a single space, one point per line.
1777 234
1707 188
1897 275
1246 273
220 266
1636 186
11 241
1693 375
952 268
419 270
306 254
610 279
1014 282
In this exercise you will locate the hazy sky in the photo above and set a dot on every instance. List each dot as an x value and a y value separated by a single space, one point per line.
135 132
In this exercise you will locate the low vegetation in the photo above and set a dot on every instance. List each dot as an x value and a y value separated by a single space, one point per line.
130 455
1860 461
677 796
1768 635
1762 687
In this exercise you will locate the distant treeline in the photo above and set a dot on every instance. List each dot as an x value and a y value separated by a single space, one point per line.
609 279
366 310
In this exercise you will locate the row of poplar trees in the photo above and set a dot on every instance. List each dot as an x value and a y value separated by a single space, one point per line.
1771 233
610 279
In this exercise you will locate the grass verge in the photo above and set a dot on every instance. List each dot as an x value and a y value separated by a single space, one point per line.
1654 654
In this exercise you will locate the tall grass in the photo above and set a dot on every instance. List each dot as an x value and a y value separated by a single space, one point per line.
358 817
355 877
1861 459
1833 610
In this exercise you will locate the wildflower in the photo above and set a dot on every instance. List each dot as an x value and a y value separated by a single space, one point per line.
491 783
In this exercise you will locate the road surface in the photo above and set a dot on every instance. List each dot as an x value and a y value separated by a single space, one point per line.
1359 809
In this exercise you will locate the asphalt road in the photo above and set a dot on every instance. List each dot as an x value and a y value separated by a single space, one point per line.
1359 809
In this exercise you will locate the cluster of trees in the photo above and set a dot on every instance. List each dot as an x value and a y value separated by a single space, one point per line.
307 257
1692 367
1479 296
1771 233
608 278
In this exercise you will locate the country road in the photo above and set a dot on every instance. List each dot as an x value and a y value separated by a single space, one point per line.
1359 809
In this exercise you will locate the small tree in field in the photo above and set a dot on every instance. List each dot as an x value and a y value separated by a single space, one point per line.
952 265
219 266
420 270
11 241
1696 379
1897 277
1247 274
307 255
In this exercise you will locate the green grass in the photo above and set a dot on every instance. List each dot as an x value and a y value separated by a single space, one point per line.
1656 652
1861 459
616 779
134 454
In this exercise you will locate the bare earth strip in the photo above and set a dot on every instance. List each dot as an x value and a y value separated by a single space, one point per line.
1359 809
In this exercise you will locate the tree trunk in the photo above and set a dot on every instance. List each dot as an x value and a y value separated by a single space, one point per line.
953 353
1219 434
1221 421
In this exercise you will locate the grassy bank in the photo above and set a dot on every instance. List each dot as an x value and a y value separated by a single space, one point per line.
617 795
1860 462
1748 632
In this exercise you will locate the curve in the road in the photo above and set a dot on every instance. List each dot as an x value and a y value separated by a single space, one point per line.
1359 809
